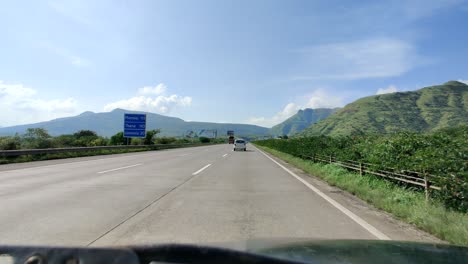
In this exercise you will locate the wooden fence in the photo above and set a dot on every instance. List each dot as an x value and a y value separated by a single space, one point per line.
423 180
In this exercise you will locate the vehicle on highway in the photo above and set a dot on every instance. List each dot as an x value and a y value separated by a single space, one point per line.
240 144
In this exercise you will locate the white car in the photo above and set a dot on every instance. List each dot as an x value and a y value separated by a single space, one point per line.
240 144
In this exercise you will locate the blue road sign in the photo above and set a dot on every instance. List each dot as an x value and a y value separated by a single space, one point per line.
135 125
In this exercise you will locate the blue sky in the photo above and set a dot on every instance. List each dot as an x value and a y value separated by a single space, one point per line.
252 62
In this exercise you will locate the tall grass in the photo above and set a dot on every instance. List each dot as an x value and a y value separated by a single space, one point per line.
406 204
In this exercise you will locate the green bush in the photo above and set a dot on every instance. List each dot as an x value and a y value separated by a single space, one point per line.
36 138
442 153
150 134
117 139
10 143
165 140
204 139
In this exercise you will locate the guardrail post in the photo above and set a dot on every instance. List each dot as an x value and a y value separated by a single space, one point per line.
427 187
330 158
360 168
313 157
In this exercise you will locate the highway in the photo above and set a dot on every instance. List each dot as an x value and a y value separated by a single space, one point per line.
207 195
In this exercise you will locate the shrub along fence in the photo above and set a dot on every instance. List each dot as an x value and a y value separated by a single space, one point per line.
423 180
435 162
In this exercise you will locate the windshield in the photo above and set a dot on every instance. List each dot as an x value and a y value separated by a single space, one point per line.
218 122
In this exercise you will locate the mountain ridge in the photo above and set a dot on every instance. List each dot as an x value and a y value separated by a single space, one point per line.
110 123
301 120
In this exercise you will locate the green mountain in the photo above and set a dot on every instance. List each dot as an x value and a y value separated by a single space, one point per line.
109 123
423 110
302 120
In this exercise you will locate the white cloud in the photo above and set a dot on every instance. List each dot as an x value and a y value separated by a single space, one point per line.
464 81
157 90
317 99
389 89
369 58
79 62
321 99
143 101
19 105
288 111
73 59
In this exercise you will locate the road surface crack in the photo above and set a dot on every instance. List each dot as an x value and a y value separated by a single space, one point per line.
142 209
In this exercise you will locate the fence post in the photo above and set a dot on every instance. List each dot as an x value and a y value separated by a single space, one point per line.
360 168
330 158
427 187
313 157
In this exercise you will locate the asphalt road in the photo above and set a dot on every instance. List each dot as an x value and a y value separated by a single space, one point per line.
195 195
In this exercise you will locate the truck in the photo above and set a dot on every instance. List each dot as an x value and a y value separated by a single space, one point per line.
230 134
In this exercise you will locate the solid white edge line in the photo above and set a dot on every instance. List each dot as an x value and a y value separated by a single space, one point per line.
338 206
121 168
224 155
200 170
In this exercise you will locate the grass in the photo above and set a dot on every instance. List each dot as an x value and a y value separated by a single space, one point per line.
405 204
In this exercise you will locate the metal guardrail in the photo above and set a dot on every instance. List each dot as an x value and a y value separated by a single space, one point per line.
13 153
408 177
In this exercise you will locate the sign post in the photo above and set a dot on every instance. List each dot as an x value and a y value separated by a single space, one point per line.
134 125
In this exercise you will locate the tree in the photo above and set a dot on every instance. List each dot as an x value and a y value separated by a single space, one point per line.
10 143
85 138
204 139
36 133
85 133
150 134
64 141
37 138
117 139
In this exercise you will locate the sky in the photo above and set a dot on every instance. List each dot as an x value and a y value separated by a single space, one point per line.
255 62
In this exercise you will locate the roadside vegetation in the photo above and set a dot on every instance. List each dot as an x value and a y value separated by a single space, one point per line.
39 138
407 204
443 153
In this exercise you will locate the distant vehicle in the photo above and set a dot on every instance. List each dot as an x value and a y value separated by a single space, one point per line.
231 140
240 144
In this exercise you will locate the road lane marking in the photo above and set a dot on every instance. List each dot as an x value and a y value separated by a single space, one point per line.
224 155
157 199
121 168
371 229
121 155
200 170
182 155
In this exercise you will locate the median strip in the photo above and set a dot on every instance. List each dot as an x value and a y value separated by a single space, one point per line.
200 170
121 168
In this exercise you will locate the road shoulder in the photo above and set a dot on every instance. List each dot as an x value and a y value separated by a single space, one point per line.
381 220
